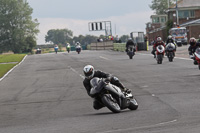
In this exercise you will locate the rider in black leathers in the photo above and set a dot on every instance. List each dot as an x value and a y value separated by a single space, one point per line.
130 43
169 40
89 73
193 46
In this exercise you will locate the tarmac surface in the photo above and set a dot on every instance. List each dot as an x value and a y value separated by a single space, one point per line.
45 94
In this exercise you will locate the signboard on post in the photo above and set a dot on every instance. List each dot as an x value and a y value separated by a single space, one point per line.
101 26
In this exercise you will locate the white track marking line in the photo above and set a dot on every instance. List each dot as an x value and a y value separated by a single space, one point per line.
103 57
165 56
12 69
76 72
127 129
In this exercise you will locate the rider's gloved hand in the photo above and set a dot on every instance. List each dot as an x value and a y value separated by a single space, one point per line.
108 79
191 57
127 90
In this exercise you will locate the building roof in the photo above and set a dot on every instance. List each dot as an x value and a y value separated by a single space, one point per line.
187 3
193 22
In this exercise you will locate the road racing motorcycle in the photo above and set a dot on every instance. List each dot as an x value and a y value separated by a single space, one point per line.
78 49
131 52
170 51
56 49
68 48
160 50
196 57
111 96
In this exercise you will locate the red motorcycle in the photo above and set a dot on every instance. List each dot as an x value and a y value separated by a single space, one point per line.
197 56
160 50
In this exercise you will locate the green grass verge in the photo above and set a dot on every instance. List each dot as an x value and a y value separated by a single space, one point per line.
4 68
11 58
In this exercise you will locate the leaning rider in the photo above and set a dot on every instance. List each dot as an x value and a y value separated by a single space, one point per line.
90 73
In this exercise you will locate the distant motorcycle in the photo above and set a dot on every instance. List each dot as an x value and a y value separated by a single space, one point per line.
68 49
111 96
131 52
38 51
160 50
196 57
170 48
78 49
56 49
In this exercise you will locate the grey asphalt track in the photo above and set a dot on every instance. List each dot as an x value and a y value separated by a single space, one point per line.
45 94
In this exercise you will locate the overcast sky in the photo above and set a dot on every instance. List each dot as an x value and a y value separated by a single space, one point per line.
125 15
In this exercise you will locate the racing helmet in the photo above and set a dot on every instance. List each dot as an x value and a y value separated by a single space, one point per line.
159 39
192 41
88 71
169 37
129 39
77 43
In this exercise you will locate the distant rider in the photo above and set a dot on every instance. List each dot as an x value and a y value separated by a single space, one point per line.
130 43
56 48
68 47
90 73
170 40
78 44
193 46
158 42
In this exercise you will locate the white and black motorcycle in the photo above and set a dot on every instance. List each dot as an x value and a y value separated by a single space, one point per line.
78 49
131 52
111 96
170 51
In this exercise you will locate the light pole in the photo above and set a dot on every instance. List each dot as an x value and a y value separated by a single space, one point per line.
174 20
177 14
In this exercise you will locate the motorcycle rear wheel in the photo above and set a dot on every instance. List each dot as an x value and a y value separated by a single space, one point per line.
111 103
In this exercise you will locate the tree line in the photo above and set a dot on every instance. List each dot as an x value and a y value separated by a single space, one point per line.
17 29
64 36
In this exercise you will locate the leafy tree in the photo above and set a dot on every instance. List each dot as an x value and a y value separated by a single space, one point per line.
57 36
88 39
160 6
16 25
124 38
84 40
31 43
169 25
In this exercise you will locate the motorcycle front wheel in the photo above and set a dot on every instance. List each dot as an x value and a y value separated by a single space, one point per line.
159 59
170 56
111 103
133 105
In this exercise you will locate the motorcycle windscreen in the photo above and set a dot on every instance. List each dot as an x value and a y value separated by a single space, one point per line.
197 51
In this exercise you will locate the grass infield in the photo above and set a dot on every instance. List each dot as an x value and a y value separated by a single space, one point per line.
4 68
10 61
11 58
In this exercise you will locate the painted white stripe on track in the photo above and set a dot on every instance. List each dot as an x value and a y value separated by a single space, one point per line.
12 69
165 56
128 129
76 72
103 57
